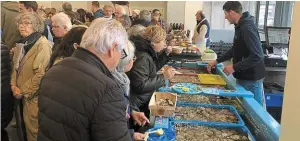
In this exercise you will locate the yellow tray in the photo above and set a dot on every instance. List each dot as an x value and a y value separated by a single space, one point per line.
211 79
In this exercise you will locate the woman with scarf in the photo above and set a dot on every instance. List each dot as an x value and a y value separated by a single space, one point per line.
31 56
124 66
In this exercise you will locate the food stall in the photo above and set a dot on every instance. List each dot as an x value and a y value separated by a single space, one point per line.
207 111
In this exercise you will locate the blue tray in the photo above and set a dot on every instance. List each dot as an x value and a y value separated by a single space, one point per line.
169 135
227 124
243 129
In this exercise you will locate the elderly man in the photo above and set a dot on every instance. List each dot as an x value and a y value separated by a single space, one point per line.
98 12
79 98
144 18
201 31
108 11
61 24
119 12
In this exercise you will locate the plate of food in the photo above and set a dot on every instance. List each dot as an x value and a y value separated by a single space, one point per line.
187 88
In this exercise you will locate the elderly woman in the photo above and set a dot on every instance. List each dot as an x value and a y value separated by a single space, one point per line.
61 24
143 76
124 66
31 56
68 45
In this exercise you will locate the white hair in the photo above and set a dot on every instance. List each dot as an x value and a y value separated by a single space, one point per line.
62 19
136 30
129 50
122 10
103 33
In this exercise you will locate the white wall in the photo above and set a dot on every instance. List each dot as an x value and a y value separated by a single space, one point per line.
290 123
191 8
175 12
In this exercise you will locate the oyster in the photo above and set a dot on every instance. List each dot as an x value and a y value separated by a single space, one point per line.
164 102
204 133
193 98
205 114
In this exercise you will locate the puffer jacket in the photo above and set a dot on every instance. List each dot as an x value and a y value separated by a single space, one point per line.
143 75
10 33
79 100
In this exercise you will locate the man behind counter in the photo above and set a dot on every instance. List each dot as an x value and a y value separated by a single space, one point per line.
248 59
202 30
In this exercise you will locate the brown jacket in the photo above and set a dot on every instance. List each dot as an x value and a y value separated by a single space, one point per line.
29 69
10 32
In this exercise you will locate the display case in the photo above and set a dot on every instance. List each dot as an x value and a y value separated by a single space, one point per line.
260 123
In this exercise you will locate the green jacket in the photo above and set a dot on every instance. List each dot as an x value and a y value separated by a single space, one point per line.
10 33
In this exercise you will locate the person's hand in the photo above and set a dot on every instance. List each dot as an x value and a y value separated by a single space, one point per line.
168 50
211 65
169 73
138 136
16 92
228 69
140 118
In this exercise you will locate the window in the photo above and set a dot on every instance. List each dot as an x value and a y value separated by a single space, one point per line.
261 16
215 13
271 13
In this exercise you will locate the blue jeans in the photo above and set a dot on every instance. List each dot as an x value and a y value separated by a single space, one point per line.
257 88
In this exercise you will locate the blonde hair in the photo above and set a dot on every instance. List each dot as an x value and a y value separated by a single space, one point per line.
154 34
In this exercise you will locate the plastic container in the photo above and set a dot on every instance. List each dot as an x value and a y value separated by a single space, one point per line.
274 100
239 122
211 79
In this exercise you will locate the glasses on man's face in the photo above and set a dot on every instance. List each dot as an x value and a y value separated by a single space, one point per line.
123 54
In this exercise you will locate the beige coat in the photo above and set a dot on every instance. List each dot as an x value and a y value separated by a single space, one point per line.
26 75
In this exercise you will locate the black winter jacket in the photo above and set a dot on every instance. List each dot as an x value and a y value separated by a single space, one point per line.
79 100
143 75
247 53
7 99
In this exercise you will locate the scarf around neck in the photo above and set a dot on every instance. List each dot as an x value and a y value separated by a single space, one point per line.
123 80
30 40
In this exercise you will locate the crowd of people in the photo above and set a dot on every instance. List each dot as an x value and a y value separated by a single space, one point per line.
83 75
78 75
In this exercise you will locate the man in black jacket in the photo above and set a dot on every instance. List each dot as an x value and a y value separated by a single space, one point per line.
79 98
248 58
7 99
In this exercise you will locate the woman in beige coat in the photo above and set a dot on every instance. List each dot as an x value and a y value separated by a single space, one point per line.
31 56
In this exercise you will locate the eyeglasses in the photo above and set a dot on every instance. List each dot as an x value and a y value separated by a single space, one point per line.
123 54
24 23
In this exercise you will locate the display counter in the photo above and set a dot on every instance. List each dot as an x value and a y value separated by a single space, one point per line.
260 123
